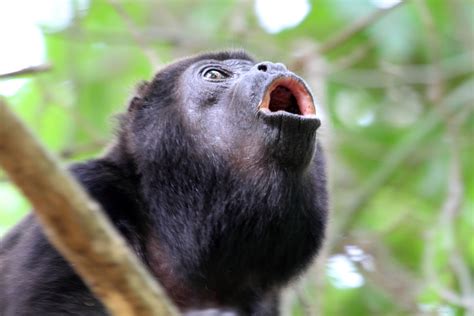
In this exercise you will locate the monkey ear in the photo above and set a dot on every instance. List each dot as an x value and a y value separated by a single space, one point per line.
142 89
140 92
135 104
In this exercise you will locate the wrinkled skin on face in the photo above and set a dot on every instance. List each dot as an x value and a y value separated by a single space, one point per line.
216 181
228 114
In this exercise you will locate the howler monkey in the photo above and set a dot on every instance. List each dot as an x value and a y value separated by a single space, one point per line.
217 182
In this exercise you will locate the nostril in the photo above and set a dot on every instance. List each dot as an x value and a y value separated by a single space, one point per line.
262 67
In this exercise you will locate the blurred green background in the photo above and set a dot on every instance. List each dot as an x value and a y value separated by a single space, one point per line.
395 89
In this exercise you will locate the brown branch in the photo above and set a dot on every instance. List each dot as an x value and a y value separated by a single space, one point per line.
26 71
354 29
77 226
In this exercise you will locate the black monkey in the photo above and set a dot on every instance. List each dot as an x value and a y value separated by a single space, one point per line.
217 182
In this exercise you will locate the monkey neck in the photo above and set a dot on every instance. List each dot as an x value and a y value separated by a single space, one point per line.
220 230
211 226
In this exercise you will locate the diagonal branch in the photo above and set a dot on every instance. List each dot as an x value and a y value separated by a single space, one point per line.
355 28
77 226
136 35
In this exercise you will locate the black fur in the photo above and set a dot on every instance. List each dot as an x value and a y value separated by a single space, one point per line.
223 206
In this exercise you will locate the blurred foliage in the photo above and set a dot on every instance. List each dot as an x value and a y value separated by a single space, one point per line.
396 100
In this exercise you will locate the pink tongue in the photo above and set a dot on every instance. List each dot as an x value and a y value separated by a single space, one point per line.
280 99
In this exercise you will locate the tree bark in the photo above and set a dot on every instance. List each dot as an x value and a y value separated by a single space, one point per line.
77 226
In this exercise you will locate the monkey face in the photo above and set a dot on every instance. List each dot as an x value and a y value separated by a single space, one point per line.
256 115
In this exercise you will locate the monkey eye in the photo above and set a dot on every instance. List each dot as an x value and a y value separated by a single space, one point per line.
215 74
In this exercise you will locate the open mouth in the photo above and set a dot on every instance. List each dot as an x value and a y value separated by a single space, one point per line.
288 94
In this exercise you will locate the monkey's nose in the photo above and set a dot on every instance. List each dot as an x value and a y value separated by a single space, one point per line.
267 66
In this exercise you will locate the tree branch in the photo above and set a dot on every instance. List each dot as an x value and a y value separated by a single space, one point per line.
26 71
437 88
354 29
136 35
452 68
77 226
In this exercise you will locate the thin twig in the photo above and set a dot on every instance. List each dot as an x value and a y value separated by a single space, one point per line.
137 36
380 265
460 15
307 306
26 71
446 224
355 28
455 187
446 294
452 67
449 210
351 59
464 277
455 194
70 152
436 89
